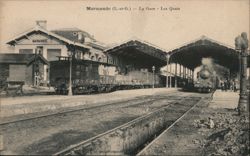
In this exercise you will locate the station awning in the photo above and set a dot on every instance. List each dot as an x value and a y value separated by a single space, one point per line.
141 51
191 54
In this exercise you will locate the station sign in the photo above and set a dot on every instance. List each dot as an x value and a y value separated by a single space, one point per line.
40 41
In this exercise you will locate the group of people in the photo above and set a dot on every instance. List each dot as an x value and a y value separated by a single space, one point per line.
228 85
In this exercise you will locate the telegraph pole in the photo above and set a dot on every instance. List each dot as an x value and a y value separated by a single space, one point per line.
70 54
241 45
70 76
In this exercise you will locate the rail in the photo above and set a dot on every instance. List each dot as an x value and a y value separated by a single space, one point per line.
165 131
75 109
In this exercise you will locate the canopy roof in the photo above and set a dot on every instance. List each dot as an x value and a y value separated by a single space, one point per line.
191 54
144 52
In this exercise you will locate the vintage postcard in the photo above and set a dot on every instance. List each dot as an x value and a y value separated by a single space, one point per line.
123 77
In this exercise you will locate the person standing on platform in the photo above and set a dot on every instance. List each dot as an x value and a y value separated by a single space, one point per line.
222 85
225 85
228 85
234 86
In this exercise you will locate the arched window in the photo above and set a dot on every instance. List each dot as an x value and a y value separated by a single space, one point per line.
92 58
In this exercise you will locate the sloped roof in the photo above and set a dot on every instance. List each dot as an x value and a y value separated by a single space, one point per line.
97 45
202 38
11 58
145 53
69 34
136 39
68 29
191 54
39 29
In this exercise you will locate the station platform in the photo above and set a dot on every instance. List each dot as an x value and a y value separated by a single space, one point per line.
15 106
222 99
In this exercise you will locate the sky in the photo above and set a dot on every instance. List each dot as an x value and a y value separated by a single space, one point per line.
220 20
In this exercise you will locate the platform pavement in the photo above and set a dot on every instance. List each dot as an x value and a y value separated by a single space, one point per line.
13 106
222 99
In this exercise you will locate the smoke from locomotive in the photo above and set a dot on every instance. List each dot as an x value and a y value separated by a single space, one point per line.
206 80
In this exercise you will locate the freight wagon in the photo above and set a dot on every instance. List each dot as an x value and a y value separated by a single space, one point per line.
93 77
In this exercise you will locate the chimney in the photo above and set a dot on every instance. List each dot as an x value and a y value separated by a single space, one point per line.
80 37
42 24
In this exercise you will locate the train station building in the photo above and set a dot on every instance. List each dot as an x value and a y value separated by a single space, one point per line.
132 55
53 44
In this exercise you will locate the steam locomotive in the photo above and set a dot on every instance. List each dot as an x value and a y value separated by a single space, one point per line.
94 77
206 81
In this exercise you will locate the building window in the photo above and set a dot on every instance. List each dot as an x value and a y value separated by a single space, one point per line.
78 55
52 54
25 51
39 50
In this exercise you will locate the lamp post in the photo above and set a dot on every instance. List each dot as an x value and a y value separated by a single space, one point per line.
167 57
153 69
70 73
241 45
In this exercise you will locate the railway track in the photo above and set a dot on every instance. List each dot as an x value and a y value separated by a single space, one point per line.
148 145
53 133
49 134
138 101
148 148
135 136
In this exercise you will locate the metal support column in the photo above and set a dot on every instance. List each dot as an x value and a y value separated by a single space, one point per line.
192 75
153 69
167 57
175 78
190 71
170 71
180 70
167 77
189 74
184 72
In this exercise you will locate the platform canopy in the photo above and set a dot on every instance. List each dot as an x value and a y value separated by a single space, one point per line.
191 54
141 51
